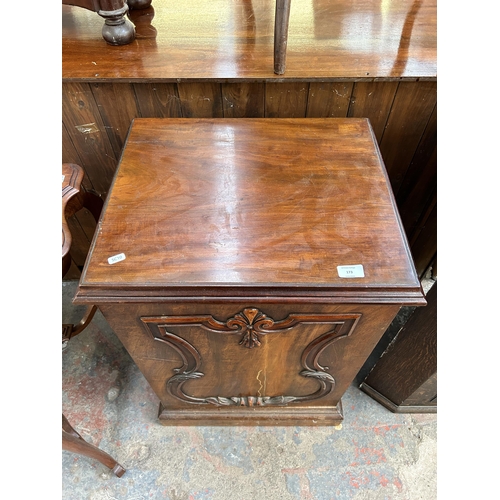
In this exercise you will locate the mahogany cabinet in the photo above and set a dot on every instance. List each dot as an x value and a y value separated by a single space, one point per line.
250 266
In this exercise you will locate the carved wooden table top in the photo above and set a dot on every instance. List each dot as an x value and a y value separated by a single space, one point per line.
254 208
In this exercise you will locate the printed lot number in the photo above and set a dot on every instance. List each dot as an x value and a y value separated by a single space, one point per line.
116 258
355 271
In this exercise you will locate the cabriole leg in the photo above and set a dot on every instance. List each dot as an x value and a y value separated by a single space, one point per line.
72 441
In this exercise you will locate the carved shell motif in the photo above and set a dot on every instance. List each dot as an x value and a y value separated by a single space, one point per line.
250 322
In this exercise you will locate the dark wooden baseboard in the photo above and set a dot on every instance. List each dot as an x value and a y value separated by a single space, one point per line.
431 408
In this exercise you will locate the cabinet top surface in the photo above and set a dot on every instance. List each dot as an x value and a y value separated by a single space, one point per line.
217 39
250 203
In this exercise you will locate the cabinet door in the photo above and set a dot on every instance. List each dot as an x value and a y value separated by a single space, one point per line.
256 363
251 359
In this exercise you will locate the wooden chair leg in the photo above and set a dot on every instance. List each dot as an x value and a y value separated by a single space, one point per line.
69 331
67 427
84 322
281 21
73 442
74 197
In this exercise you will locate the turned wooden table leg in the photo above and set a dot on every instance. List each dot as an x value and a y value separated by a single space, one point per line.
281 35
117 29
139 4
73 442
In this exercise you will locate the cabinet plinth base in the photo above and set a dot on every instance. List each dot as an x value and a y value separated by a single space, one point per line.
402 408
282 416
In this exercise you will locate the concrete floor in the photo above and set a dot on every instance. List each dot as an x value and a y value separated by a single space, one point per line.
373 455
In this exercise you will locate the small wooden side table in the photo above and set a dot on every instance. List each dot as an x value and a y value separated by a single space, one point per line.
250 266
74 198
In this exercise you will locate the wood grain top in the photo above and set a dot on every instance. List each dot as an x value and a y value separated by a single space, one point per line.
218 206
218 39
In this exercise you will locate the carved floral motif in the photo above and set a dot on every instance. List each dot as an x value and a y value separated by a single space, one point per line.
250 322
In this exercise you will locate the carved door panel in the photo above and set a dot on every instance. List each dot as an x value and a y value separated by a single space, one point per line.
251 359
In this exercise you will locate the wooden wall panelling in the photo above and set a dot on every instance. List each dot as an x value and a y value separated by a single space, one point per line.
373 100
88 135
286 100
73 273
410 113
117 107
423 243
81 224
200 99
329 99
158 100
70 155
80 241
83 228
87 223
243 100
420 180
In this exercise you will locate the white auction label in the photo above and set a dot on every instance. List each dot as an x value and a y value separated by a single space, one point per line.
63 177
116 258
355 271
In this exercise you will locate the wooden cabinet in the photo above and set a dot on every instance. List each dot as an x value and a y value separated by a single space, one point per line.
250 266
404 379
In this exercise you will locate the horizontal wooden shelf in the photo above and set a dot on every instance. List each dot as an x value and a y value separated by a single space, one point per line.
229 41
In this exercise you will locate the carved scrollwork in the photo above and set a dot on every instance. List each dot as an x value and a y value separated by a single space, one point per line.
189 369
250 323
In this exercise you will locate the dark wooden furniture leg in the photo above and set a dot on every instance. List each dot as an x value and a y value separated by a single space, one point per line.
281 35
117 29
139 4
73 442
69 330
